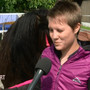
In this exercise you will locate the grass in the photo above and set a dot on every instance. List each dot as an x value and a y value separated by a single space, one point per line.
85 27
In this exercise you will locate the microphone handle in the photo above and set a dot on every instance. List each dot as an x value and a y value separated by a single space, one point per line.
36 78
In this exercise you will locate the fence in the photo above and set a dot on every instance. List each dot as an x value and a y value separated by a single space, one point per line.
6 19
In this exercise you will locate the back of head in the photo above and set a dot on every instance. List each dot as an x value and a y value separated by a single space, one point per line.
20 50
43 29
70 11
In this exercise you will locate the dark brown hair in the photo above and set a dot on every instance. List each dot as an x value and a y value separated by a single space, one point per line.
21 47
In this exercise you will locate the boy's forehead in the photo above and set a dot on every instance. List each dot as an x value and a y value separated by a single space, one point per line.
57 19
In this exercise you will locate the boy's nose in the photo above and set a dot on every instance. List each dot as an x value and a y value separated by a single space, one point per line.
55 34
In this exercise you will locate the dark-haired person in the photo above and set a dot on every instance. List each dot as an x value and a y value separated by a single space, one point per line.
21 47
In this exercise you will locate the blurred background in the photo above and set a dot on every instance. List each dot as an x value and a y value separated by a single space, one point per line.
10 10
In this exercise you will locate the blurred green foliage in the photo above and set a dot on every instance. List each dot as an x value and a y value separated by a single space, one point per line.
10 6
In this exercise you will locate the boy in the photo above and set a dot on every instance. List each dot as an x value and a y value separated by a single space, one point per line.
70 62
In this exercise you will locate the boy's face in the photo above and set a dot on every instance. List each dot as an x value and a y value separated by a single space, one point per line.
61 33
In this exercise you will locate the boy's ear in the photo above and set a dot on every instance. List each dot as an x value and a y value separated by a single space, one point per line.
77 28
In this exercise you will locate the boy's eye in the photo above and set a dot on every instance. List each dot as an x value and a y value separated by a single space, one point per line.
59 30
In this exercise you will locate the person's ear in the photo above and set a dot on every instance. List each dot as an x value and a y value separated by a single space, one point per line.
77 28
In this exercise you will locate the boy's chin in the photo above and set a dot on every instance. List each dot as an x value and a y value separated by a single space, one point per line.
58 48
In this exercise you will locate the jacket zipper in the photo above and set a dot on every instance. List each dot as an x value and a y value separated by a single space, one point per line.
59 69
57 76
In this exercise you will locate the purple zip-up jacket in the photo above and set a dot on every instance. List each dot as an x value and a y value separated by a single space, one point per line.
72 75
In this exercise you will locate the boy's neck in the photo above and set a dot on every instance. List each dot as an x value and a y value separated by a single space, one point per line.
67 52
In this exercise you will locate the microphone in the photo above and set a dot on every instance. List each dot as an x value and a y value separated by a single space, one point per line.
42 67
